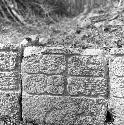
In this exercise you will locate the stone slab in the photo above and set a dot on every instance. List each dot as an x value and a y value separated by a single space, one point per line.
117 66
97 60
30 50
86 62
87 86
86 65
40 83
117 86
10 80
34 83
63 110
9 105
72 51
9 61
30 64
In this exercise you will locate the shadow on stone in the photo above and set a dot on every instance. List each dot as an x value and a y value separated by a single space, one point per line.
109 117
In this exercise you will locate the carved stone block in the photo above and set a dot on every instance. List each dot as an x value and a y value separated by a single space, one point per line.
52 64
87 86
10 80
63 110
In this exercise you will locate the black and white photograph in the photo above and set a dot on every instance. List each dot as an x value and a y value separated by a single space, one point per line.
61 62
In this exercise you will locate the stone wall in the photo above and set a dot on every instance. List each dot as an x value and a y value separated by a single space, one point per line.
61 85
10 82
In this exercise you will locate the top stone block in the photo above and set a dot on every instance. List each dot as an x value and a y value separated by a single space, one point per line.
30 50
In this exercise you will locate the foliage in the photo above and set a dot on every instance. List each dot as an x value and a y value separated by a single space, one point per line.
22 10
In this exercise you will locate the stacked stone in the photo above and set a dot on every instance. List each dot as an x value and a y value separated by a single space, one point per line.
116 102
10 87
63 86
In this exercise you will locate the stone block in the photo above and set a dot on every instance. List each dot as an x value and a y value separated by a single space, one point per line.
10 80
40 83
30 64
86 62
52 64
9 105
34 83
55 84
117 86
86 65
32 50
117 66
87 86
9 61
60 110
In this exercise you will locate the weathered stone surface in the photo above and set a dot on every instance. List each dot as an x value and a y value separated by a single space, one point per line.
52 64
40 83
9 46
55 84
71 50
58 50
31 64
117 66
8 61
46 73
31 50
117 107
35 83
117 86
117 51
63 110
90 52
86 65
97 62
9 80
87 86
9 105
